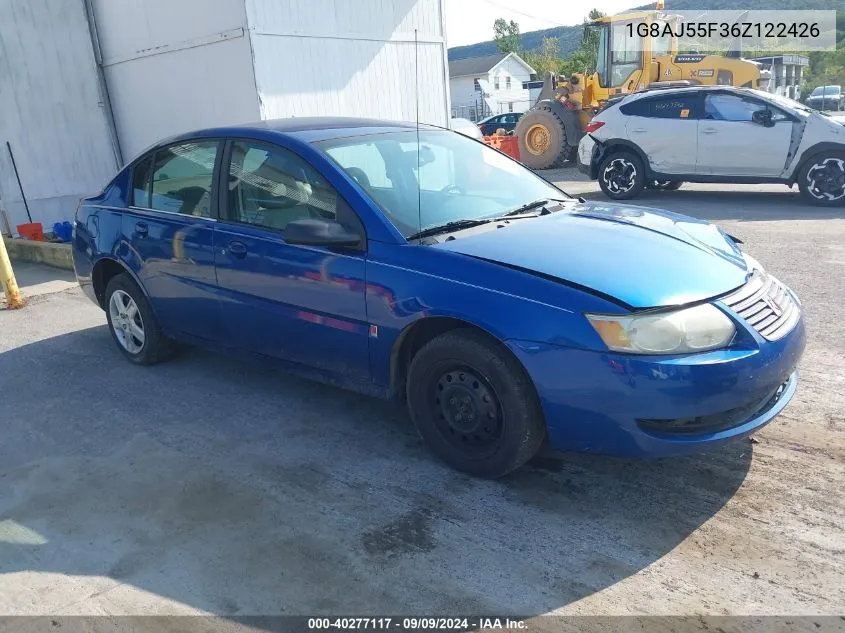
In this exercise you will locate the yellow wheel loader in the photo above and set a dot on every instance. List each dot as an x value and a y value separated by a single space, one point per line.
550 131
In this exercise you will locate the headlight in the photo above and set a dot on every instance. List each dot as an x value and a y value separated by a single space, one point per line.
697 329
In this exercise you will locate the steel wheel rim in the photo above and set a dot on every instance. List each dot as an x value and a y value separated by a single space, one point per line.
538 140
126 322
826 179
619 175
467 410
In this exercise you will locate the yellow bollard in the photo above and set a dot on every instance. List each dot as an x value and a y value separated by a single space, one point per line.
14 299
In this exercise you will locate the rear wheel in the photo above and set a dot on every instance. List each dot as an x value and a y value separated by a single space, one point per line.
132 323
822 179
621 176
474 405
542 139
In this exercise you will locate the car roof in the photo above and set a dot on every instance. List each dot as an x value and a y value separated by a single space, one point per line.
305 129
680 90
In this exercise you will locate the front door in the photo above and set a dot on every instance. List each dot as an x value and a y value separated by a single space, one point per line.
305 304
730 143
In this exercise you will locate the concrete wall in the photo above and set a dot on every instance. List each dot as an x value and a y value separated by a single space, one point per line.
50 110
174 66
322 57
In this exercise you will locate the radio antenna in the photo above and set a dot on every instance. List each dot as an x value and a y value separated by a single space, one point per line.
417 116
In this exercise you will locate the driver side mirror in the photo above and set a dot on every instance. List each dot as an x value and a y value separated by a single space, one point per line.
316 232
763 117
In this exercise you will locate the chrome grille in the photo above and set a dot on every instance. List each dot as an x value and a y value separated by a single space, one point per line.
766 305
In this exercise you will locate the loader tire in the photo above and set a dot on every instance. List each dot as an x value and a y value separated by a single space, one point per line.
542 139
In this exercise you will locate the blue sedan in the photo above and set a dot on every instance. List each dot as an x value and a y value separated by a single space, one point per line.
422 265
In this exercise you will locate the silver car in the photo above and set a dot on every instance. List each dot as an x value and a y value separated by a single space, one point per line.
663 137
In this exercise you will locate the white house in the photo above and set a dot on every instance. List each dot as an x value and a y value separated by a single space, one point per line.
85 85
492 84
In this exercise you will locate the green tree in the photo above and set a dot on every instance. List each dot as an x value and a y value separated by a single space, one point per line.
548 59
506 35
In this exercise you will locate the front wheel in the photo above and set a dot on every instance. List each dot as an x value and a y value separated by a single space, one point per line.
822 179
474 405
621 176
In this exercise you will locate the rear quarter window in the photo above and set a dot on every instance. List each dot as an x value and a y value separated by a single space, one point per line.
668 107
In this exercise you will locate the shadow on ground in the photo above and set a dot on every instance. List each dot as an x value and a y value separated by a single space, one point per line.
231 487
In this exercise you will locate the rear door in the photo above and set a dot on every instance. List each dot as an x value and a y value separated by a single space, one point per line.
304 304
731 144
168 229
665 127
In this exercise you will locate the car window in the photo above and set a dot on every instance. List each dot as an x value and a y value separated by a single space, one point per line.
452 177
141 183
270 186
182 178
724 107
667 107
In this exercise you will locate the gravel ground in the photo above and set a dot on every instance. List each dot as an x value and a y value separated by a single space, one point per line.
212 485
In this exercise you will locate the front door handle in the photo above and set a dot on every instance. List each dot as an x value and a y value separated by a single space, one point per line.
142 229
237 249
709 130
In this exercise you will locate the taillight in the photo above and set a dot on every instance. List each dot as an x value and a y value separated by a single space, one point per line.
592 126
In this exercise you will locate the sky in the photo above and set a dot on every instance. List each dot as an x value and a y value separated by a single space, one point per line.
470 21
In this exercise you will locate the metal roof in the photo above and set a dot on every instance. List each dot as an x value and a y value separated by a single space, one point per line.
474 65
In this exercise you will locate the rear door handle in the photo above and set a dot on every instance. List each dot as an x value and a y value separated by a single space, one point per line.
237 249
709 130
141 228
639 129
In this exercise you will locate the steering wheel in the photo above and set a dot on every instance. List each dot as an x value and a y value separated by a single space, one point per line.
359 176
453 189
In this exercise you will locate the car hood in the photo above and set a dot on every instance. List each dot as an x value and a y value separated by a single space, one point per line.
638 256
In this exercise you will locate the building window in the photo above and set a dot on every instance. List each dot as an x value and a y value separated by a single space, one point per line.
476 85
510 105
508 83
496 82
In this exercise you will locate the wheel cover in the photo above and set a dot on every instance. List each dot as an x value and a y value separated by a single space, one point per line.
467 411
619 175
538 139
126 322
826 179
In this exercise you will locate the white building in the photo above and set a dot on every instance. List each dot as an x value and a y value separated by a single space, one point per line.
787 74
492 84
85 85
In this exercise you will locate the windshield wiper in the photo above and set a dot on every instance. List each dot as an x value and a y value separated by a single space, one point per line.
527 207
455 225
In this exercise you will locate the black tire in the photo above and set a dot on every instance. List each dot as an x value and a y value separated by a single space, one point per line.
155 347
502 425
621 176
821 179
665 185
557 151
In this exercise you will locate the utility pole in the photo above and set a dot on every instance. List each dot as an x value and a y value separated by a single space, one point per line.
14 299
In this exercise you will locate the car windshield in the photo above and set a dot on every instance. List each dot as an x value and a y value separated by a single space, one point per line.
458 179
825 90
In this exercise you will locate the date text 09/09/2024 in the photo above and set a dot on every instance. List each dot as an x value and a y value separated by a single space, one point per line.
413 624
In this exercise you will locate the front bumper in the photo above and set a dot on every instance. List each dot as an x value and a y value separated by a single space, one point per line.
604 402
